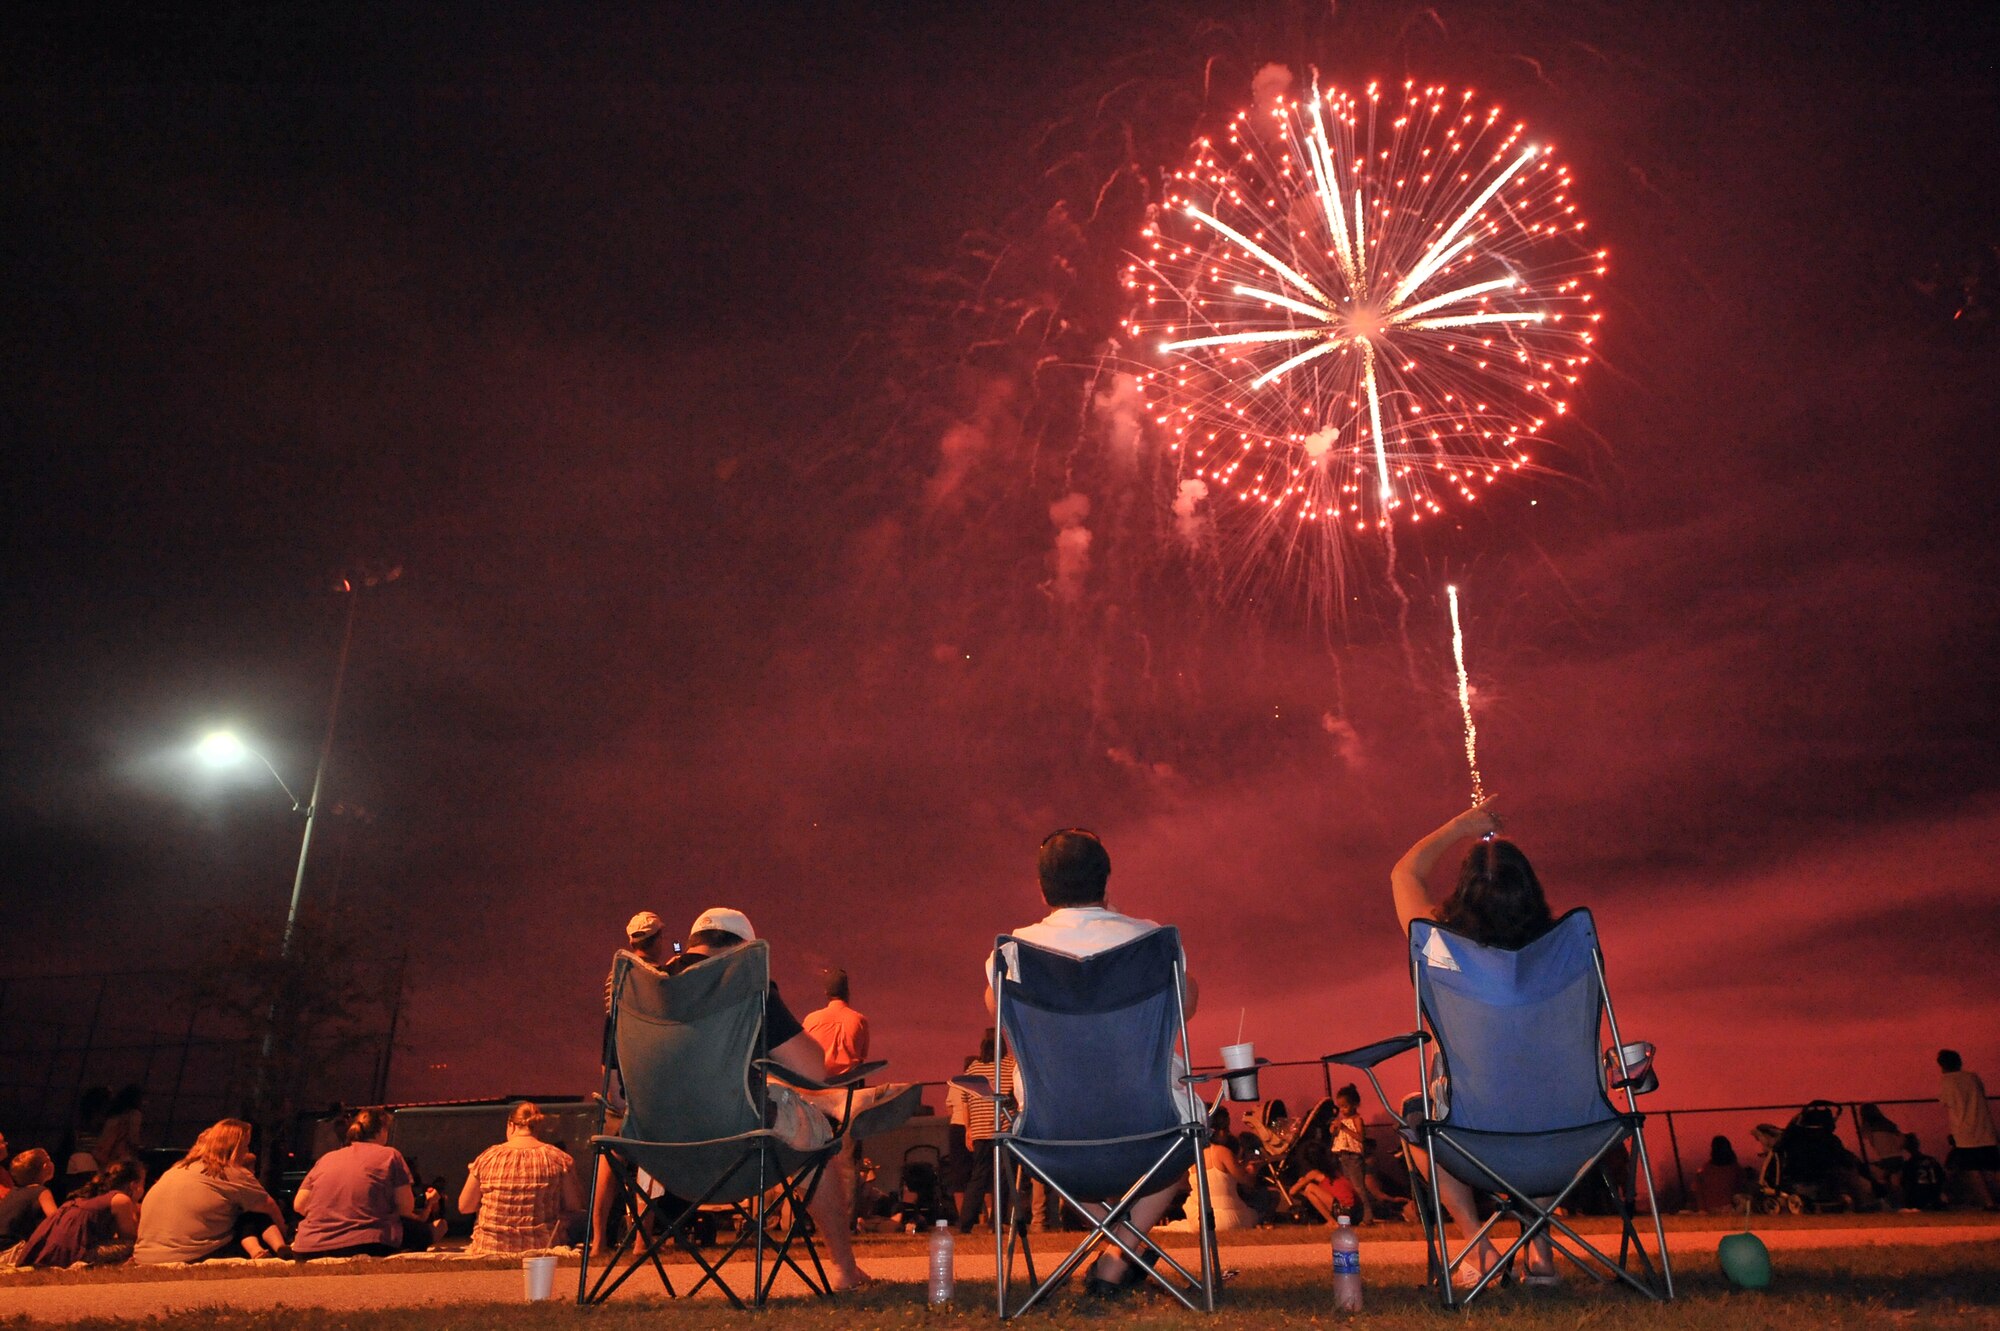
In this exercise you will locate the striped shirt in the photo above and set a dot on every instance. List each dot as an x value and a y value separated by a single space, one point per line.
520 1196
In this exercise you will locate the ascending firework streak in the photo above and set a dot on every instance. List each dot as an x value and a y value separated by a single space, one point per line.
1365 309
1465 699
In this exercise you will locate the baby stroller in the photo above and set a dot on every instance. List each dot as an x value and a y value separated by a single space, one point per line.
922 1193
1289 1148
1806 1168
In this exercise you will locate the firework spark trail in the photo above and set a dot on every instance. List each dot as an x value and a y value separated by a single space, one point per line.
1364 308
1465 700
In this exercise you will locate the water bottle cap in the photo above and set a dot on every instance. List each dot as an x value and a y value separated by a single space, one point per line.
944 1224
1345 1221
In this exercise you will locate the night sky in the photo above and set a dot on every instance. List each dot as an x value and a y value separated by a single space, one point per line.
656 350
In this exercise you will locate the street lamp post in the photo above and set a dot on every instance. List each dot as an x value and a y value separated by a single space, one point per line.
222 747
319 784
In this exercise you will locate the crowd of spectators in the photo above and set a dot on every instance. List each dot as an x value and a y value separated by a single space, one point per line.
90 1203
362 1199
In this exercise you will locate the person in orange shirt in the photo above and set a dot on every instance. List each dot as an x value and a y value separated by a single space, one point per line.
838 1028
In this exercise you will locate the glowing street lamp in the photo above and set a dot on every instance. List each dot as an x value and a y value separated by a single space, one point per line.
224 748
221 748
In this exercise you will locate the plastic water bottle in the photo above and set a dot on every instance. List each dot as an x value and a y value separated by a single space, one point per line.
1346 1267
944 1281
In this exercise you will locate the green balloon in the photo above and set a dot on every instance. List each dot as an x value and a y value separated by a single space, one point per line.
1745 1260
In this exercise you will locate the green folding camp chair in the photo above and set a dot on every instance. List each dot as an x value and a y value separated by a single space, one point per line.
697 1134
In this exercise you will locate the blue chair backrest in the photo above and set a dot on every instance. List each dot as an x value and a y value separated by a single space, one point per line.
1517 1028
1093 1041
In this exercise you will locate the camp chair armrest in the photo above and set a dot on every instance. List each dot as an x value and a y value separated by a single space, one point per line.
770 1067
1368 1055
1158 1134
1218 1074
982 1087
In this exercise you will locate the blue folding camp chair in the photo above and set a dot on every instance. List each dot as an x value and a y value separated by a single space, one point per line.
1105 1114
691 1049
1519 1106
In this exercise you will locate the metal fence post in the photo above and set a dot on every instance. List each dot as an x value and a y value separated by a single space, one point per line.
1674 1141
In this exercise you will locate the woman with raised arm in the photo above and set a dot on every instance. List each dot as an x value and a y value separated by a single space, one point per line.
1498 902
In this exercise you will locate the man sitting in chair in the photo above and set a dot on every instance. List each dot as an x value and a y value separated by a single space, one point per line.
721 930
1074 869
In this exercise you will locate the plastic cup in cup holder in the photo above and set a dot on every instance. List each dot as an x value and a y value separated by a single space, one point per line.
1234 1056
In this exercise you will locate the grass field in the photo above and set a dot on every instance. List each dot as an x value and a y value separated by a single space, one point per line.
897 1244
1945 1286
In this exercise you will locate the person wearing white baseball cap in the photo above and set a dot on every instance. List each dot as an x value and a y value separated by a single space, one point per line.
721 929
733 925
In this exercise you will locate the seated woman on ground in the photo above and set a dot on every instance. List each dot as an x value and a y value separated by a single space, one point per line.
1498 903
358 1201
1724 1183
96 1225
1239 1201
29 1202
525 1191
210 1205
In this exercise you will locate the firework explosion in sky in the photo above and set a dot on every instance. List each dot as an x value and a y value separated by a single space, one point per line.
1367 307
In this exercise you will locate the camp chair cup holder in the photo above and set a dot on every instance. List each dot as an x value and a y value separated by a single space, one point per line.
1629 1067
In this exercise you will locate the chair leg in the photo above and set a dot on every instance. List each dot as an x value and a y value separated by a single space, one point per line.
589 1215
800 1231
606 1283
763 1200
1002 1261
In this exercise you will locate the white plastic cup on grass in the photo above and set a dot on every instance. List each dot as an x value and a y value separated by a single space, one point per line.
539 1275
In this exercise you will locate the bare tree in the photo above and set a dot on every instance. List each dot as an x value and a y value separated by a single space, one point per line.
326 1011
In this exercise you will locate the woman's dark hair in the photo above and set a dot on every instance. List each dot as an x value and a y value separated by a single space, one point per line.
986 1046
132 1097
1949 1061
1498 901
366 1124
1874 1120
1721 1153
124 1175
1074 868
